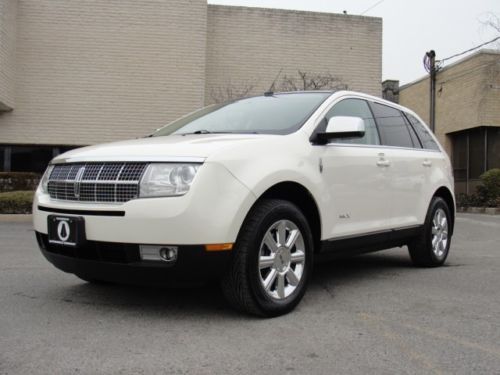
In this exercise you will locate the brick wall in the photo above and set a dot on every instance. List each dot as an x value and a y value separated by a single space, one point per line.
247 47
7 53
490 104
94 71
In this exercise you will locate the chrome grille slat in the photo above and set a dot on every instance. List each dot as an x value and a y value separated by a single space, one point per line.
95 184
114 182
118 178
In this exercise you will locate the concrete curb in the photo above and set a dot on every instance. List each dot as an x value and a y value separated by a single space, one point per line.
16 218
480 210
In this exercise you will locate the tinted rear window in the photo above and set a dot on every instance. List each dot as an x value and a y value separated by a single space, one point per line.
423 133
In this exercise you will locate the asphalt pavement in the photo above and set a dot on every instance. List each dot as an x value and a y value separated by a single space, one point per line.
372 314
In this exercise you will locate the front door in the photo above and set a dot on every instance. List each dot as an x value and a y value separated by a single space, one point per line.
358 177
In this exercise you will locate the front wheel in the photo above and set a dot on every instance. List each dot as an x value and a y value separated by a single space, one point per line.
272 260
431 247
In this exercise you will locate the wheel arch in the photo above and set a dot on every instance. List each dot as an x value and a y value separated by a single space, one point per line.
445 193
299 195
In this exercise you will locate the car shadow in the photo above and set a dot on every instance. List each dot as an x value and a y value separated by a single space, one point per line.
357 268
207 300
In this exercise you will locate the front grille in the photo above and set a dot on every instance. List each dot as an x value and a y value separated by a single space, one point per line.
96 182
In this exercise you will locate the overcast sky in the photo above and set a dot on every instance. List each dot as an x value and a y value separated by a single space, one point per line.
411 27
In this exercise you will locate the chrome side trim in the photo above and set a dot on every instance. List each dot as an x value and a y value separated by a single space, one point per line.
346 237
382 147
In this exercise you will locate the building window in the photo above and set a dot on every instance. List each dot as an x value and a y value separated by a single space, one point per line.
28 158
493 154
459 156
2 158
475 151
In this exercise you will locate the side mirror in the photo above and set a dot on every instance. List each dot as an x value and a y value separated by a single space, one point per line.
342 127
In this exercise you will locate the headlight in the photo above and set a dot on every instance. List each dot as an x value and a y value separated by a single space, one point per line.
164 180
44 182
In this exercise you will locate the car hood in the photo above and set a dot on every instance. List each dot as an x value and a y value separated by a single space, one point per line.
193 147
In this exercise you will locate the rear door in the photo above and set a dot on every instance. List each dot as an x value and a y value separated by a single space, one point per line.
405 160
431 161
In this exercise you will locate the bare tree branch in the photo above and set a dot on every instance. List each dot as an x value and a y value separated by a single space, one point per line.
308 81
492 21
230 92
303 81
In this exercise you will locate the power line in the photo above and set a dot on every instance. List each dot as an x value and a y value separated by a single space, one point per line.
373 6
469 50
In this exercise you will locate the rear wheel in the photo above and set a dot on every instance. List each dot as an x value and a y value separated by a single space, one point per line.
272 260
431 247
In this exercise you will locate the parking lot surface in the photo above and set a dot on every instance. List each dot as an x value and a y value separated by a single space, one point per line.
370 314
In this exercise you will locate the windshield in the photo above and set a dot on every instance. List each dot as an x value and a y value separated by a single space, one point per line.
276 114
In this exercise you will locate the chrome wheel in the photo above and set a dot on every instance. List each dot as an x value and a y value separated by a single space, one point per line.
282 258
439 233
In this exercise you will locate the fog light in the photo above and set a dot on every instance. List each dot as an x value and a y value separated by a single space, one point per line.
159 253
168 254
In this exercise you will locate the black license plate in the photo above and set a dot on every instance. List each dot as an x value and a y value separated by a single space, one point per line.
66 230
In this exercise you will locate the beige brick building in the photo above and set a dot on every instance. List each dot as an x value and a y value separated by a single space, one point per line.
7 54
247 47
467 113
76 73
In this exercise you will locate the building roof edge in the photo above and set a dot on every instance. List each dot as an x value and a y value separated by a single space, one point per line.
484 51
284 10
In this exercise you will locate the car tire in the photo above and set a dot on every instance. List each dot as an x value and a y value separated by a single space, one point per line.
431 247
272 260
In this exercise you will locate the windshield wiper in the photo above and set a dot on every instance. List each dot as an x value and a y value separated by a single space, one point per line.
203 131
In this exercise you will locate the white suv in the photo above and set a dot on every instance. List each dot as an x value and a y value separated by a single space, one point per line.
250 192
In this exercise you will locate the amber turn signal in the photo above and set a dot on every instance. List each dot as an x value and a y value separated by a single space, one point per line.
219 247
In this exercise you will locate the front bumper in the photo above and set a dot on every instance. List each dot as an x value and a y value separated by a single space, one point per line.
121 263
211 212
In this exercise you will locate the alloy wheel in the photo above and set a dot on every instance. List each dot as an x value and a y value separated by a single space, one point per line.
282 258
439 233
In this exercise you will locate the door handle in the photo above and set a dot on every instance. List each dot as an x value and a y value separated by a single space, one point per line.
383 163
427 163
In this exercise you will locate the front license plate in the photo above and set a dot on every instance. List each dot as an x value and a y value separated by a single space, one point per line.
66 230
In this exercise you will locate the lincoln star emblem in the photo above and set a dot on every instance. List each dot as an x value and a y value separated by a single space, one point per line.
78 179
63 230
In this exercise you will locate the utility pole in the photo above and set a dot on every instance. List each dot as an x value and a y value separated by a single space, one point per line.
430 65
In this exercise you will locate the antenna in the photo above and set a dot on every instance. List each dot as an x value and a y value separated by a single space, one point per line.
271 89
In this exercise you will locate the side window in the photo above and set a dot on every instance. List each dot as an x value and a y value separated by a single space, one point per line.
356 108
392 126
425 136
